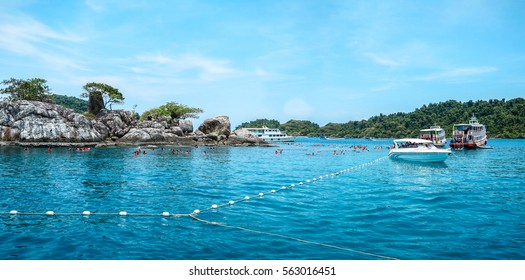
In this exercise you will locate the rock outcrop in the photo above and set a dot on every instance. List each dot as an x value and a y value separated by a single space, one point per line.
219 125
242 137
114 124
38 123
34 121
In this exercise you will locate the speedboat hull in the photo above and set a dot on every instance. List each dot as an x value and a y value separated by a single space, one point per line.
420 156
417 150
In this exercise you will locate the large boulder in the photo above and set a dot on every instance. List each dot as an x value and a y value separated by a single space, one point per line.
145 135
114 123
219 125
186 126
242 136
34 121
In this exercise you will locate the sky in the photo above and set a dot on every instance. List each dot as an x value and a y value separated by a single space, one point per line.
318 60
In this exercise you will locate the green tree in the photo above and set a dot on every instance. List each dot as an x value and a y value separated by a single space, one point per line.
299 127
260 123
76 104
101 95
173 110
31 89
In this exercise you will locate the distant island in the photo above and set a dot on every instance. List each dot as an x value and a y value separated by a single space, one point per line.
503 118
32 113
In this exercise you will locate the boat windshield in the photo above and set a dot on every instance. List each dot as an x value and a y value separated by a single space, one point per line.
410 144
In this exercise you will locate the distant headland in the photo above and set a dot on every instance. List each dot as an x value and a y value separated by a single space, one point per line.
503 118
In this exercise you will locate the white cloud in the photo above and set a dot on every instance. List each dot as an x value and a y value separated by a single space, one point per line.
28 37
204 68
458 73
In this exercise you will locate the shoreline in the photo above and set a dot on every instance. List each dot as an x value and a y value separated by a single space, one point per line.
187 143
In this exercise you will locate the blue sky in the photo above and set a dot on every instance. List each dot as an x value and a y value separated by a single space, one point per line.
324 61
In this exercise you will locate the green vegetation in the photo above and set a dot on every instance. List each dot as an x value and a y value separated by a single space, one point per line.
98 91
295 127
173 110
261 123
34 89
76 104
504 119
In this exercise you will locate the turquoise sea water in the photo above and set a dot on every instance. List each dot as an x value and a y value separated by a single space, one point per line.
471 207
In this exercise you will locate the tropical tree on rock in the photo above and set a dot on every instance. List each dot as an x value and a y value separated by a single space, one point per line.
101 96
173 110
34 89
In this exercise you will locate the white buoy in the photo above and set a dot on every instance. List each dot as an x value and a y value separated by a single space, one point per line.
196 211
300 183
86 213
292 185
315 179
261 194
283 187
272 191
246 197
214 206
50 213
307 181
231 202
123 213
13 212
165 214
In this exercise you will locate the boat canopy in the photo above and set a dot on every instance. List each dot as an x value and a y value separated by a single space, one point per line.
413 140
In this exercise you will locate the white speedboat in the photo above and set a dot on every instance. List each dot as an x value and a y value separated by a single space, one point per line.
271 134
436 134
420 150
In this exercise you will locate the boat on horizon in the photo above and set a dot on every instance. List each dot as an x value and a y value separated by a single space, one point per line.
436 134
417 150
469 136
271 134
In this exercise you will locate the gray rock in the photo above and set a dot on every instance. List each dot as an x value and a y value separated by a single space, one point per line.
34 121
114 123
219 125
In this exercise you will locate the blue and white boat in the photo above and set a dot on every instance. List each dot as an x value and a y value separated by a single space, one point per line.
419 150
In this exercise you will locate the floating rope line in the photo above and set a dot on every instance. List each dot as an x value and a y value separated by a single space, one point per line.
194 214
88 213
273 191
196 211
294 239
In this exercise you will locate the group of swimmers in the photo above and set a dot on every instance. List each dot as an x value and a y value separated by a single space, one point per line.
172 151
79 149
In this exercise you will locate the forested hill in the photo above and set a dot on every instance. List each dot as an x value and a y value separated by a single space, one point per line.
76 104
503 118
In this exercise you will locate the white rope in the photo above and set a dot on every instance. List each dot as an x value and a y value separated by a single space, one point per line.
88 213
273 191
295 239
197 211
231 202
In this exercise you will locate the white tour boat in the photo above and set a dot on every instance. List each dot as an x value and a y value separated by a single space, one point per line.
420 150
436 134
469 136
271 134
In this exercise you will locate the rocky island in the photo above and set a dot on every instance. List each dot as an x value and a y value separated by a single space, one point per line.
35 123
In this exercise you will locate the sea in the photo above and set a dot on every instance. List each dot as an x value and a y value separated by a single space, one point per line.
314 199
